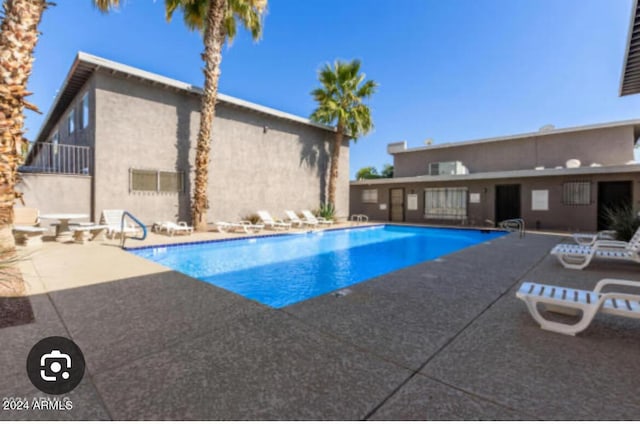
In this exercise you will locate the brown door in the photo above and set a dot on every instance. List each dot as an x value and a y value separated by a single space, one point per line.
396 211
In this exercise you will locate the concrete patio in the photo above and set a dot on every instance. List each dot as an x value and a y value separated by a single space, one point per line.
442 340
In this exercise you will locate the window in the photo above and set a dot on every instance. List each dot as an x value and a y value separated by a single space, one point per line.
370 196
576 193
158 181
445 203
170 181
85 111
70 122
55 140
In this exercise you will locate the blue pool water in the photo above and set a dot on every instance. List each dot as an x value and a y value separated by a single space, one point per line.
279 271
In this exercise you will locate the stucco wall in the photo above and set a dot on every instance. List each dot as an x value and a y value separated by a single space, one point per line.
149 127
558 217
608 146
53 193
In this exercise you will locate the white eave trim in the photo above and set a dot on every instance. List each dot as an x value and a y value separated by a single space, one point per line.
526 173
631 122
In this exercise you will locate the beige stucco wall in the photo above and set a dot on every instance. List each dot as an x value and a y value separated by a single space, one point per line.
53 193
607 146
142 126
558 217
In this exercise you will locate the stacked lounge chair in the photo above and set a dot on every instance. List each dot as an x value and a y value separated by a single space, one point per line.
317 219
269 222
580 256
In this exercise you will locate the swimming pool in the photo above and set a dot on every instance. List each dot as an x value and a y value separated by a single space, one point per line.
279 271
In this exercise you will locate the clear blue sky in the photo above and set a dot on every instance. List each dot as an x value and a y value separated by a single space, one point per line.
449 70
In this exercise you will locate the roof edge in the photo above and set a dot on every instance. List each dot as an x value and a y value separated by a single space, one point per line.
614 124
102 63
495 175
625 59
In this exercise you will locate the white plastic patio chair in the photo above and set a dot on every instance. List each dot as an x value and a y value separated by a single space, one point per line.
269 222
295 219
572 300
587 239
172 228
573 256
310 217
244 226
112 218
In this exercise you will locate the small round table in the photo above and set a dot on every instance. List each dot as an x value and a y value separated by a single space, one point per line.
63 232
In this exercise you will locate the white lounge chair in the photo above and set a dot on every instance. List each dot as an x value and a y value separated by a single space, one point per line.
587 239
172 228
244 226
295 219
588 302
269 222
112 218
311 217
574 256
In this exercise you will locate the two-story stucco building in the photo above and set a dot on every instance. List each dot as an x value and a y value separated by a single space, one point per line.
118 137
562 179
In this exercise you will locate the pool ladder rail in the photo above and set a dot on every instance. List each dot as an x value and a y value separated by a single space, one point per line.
123 235
511 225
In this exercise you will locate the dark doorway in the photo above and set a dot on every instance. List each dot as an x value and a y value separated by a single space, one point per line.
507 202
611 195
396 209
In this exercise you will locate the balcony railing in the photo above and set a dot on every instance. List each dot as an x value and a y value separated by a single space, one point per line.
54 158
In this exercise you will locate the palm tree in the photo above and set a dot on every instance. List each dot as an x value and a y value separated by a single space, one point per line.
18 38
217 20
340 104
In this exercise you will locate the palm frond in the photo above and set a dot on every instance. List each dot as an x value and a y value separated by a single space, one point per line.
105 6
340 97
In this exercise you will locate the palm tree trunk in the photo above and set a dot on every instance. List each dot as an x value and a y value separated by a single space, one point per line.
18 38
213 41
335 161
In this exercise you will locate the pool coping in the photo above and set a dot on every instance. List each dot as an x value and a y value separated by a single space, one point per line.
256 236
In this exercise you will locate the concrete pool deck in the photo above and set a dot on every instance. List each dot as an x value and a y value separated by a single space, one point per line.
444 339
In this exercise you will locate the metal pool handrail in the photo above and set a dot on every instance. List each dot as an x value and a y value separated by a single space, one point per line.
137 221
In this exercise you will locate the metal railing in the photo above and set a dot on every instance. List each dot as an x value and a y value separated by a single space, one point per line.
54 158
511 225
123 234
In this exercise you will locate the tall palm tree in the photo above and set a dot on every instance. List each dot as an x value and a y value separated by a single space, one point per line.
340 103
18 38
217 20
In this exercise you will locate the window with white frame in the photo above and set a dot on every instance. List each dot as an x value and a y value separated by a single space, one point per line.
85 111
156 181
576 193
71 122
445 202
370 195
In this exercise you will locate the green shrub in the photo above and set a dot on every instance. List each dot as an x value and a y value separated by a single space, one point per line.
326 211
252 218
623 220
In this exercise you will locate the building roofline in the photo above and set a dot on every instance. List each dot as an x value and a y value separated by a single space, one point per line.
524 173
614 124
629 74
625 58
90 63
